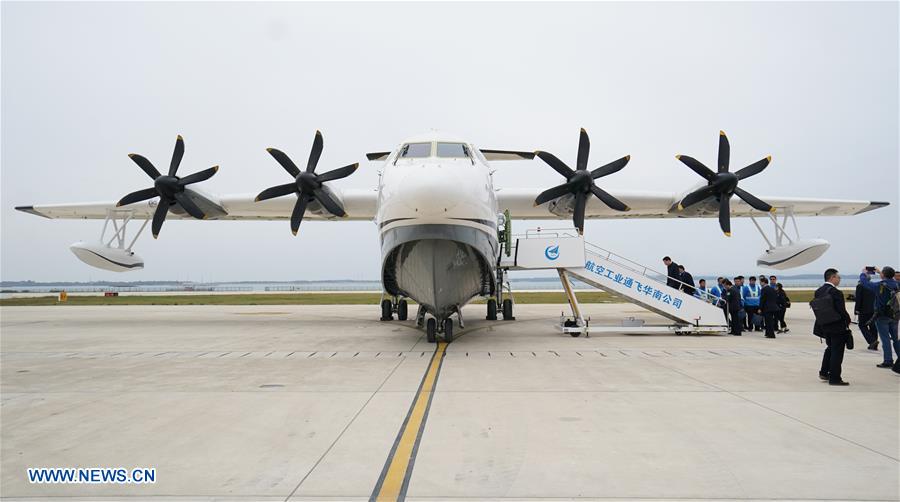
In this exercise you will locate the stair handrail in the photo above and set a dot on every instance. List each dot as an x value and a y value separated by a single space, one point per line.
631 264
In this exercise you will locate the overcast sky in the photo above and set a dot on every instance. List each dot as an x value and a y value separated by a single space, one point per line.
814 85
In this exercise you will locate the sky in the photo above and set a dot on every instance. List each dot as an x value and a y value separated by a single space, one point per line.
815 85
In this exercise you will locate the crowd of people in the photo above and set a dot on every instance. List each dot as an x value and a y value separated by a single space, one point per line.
877 308
749 305
760 304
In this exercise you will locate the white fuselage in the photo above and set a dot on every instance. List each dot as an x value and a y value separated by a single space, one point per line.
429 197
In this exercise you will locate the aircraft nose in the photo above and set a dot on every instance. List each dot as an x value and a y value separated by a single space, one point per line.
432 190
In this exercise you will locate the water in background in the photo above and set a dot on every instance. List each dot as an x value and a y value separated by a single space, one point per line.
523 284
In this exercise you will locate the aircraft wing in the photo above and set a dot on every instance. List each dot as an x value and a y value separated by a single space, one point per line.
520 203
359 205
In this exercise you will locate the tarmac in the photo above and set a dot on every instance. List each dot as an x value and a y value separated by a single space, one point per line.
328 403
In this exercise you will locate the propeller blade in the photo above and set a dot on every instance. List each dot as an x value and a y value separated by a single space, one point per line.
285 161
198 176
552 193
725 215
558 165
754 168
697 196
613 167
147 193
608 199
328 202
584 149
159 216
145 165
276 191
754 202
297 215
724 152
341 172
697 167
176 156
315 153
578 214
184 200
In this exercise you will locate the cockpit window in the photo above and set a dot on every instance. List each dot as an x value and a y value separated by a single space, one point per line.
415 150
450 150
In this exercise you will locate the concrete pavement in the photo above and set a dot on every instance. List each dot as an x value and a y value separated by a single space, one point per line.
305 403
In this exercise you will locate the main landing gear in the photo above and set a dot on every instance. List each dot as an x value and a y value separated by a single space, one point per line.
506 309
491 310
389 307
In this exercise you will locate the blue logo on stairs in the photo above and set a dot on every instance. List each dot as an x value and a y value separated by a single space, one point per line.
552 252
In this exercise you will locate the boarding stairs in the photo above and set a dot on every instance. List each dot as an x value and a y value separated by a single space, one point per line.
568 253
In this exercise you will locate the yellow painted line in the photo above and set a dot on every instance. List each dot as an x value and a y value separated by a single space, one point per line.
392 484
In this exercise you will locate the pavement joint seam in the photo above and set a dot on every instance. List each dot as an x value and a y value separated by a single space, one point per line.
344 430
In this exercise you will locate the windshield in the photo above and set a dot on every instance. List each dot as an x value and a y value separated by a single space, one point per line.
452 150
416 150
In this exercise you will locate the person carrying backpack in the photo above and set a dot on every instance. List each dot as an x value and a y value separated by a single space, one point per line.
833 326
887 311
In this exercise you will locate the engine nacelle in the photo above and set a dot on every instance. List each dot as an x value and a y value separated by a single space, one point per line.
114 259
798 253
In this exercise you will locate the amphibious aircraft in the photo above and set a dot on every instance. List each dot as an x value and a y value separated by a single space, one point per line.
440 218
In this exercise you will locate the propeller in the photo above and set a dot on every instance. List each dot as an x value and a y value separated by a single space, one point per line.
723 184
307 184
169 187
580 182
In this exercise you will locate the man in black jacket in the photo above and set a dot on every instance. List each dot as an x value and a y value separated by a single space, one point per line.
864 310
733 303
768 304
687 280
836 333
672 273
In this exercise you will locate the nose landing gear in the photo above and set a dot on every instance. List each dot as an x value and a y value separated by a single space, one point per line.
444 329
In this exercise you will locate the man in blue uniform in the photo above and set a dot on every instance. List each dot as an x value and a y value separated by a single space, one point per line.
750 294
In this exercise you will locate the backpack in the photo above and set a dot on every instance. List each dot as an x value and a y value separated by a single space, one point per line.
823 309
891 307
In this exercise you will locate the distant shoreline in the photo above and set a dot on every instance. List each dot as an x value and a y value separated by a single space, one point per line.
126 284
302 298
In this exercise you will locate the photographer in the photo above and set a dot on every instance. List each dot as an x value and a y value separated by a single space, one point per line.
834 327
885 317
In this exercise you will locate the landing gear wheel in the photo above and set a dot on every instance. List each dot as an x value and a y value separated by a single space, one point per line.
448 330
430 328
386 311
491 310
402 310
508 310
